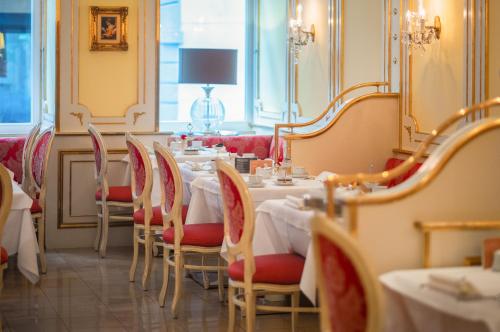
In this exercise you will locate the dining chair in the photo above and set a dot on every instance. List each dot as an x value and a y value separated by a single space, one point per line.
38 163
148 220
27 186
110 200
5 203
350 295
195 239
276 273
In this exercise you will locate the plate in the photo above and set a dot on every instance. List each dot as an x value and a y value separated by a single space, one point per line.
284 184
300 176
191 152
252 185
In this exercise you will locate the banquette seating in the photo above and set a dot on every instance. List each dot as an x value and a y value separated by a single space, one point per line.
440 215
11 155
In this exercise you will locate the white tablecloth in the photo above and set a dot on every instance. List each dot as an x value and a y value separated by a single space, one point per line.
206 201
19 234
412 306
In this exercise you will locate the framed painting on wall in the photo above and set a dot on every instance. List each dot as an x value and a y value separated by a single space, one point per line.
108 28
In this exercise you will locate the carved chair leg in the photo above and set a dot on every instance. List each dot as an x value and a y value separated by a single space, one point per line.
97 240
41 243
220 279
166 275
206 281
104 231
133 267
250 310
148 259
295 315
179 264
232 308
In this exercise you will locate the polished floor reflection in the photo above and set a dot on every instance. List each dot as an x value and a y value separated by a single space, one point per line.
81 292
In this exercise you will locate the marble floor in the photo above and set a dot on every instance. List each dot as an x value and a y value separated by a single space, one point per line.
81 292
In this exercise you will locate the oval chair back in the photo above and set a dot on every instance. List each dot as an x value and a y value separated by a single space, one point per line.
350 295
141 177
39 162
5 196
28 145
239 217
171 191
101 160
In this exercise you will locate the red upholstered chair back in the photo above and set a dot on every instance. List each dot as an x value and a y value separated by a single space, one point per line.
40 157
141 170
238 213
28 145
5 197
100 151
350 294
11 155
393 163
171 187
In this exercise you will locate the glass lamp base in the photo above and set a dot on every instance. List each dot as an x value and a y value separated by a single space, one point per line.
207 113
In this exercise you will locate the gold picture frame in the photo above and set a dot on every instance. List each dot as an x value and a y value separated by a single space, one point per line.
108 28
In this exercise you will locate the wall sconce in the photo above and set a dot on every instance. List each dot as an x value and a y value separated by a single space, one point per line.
299 37
417 33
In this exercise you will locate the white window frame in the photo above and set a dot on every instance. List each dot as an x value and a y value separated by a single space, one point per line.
36 54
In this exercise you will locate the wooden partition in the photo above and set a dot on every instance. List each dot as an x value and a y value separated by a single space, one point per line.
453 196
351 135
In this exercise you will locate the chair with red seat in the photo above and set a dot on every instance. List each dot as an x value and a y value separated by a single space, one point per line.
5 203
114 197
195 239
279 273
28 145
147 219
38 163
350 295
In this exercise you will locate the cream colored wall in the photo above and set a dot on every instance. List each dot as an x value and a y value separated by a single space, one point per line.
363 41
314 64
108 81
438 75
494 45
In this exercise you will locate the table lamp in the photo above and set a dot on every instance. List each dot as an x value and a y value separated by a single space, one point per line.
207 66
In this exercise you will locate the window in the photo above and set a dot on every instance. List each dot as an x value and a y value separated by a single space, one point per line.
200 24
16 66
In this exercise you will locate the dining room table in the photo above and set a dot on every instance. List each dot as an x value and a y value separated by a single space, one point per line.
19 235
414 303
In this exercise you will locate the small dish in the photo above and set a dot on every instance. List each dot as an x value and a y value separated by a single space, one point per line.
284 183
191 152
300 176
256 185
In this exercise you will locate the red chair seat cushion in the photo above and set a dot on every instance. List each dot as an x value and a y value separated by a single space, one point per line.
116 194
157 219
395 162
4 255
35 207
279 269
201 235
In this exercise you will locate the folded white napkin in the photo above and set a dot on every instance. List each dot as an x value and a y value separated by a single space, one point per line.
457 286
294 202
469 284
324 175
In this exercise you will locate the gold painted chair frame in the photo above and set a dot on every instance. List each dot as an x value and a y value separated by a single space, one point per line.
142 201
39 218
289 136
104 215
321 225
28 145
243 250
5 204
178 259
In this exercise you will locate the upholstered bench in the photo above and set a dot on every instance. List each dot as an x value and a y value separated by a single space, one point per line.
261 145
11 155
393 163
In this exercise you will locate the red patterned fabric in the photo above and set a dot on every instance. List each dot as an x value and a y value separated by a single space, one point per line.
4 256
258 144
35 207
279 269
138 168
97 152
40 150
234 204
116 194
202 235
167 181
393 163
280 148
157 219
345 295
11 155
